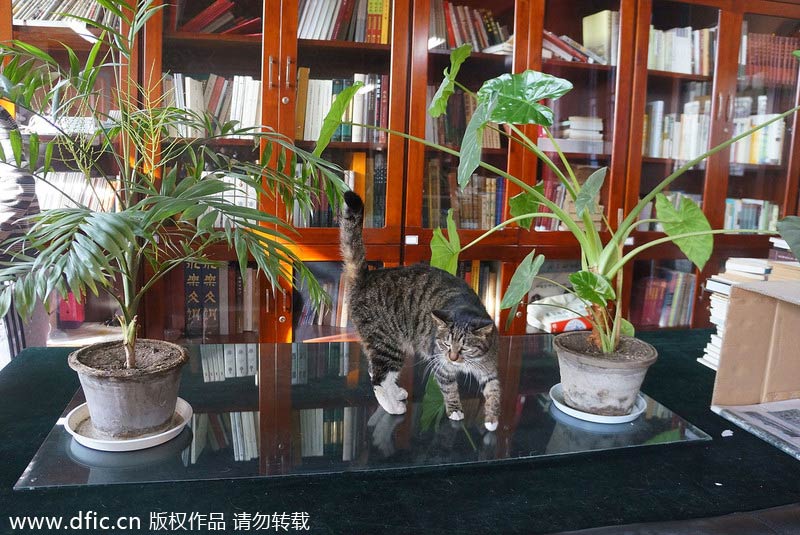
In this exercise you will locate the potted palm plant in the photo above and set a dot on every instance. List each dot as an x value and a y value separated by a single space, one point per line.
173 205
601 370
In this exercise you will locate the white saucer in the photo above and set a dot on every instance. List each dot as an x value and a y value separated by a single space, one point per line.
558 400
80 414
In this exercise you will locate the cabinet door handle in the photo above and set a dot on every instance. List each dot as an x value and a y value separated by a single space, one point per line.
288 72
731 101
270 64
720 105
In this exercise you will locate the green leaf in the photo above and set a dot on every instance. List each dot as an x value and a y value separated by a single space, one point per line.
444 251
626 328
686 219
592 287
516 96
48 156
33 151
522 279
525 203
16 146
334 117
789 228
438 104
796 53
193 212
472 143
432 404
588 194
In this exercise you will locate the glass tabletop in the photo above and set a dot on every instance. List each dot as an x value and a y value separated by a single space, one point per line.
263 410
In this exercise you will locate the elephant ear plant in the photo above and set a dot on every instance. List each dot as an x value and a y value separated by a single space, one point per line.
513 100
173 198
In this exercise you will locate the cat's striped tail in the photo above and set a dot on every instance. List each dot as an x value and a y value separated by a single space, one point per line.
351 240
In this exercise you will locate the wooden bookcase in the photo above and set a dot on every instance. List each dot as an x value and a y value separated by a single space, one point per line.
621 95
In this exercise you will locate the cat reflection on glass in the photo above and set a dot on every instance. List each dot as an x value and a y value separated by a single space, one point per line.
422 310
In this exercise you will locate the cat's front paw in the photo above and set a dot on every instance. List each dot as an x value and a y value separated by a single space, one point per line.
456 415
490 425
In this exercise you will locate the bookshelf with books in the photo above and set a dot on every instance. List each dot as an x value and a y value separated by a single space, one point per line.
704 73
311 51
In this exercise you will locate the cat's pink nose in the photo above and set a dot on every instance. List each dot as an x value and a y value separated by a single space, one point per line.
453 357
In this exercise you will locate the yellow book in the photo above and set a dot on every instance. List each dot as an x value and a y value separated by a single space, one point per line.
301 102
385 20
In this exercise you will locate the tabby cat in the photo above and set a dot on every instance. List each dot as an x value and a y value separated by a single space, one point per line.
417 310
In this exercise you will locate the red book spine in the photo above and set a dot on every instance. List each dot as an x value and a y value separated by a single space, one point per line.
550 36
208 15
382 138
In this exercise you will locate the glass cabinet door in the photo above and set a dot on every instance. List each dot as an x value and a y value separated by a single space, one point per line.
581 42
766 85
676 113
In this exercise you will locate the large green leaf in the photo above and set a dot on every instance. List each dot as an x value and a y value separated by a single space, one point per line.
447 87
522 279
334 117
444 251
588 194
516 97
789 227
525 203
592 287
472 143
688 218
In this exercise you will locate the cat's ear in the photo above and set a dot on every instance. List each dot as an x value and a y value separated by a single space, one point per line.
441 319
482 326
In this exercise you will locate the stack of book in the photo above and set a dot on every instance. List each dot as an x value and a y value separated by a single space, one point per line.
780 250
361 21
453 25
568 49
217 16
577 134
737 270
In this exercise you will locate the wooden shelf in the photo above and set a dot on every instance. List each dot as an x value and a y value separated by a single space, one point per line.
560 64
51 37
679 76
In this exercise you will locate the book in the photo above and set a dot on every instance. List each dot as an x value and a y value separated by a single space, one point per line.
207 15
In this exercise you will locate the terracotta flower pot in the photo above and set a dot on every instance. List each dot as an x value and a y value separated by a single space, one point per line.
597 383
126 403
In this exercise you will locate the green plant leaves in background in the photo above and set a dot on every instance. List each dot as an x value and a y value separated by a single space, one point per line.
525 203
333 119
592 287
438 104
587 195
432 405
522 279
686 219
516 97
789 228
472 143
445 251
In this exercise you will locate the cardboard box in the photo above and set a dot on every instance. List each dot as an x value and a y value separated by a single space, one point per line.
760 356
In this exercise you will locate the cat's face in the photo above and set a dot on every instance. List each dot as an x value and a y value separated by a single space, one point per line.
462 342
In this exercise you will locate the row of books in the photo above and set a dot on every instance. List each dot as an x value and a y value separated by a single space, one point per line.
337 432
554 190
679 136
361 21
225 361
769 58
60 10
454 25
369 106
239 194
226 99
333 314
448 129
477 206
220 431
751 214
683 50
664 299
218 300
483 277
366 174
588 128
738 271
71 188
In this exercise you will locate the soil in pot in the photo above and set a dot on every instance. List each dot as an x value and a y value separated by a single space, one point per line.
601 383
